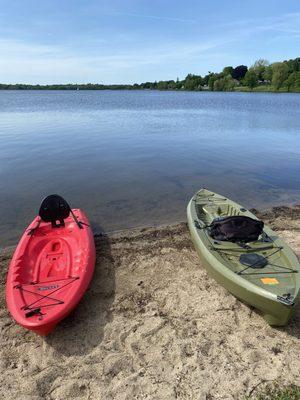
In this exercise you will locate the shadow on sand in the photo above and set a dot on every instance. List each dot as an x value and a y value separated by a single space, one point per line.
83 329
293 327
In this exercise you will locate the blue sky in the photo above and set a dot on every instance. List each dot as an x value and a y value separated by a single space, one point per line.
43 41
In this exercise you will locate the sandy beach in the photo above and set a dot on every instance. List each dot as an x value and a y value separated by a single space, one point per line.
153 325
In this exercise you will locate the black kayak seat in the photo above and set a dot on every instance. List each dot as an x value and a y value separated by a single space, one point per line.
54 209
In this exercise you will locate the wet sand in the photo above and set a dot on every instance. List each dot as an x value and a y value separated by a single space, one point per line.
153 325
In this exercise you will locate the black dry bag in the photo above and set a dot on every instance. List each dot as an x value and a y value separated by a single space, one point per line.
237 228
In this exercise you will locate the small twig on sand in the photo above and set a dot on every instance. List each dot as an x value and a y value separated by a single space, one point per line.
258 384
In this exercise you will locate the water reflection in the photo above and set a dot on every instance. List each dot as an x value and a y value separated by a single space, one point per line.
135 158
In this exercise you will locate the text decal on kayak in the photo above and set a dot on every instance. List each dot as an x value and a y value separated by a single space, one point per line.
269 281
50 287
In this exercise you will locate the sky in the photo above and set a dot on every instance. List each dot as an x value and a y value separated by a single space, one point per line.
127 41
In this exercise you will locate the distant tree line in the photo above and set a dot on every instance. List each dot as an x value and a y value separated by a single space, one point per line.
261 76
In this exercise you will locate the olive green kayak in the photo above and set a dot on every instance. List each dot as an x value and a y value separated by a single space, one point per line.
272 287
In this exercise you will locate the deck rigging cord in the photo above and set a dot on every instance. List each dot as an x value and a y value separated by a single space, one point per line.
45 296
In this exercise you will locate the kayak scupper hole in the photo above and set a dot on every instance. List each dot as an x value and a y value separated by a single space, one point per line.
55 246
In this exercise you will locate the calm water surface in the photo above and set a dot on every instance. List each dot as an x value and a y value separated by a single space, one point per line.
133 158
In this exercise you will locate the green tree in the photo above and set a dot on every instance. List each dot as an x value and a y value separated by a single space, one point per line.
239 72
250 79
224 84
267 75
280 74
211 80
171 85
193 82
227 71
293 81
293 65
229 82
179 84
259 68
162 85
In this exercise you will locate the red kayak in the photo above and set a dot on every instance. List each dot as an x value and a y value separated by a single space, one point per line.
51 267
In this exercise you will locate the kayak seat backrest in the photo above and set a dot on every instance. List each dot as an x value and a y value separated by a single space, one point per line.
236 228
54 209
220 210
213 209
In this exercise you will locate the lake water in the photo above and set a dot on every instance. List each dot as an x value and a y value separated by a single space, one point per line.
134 158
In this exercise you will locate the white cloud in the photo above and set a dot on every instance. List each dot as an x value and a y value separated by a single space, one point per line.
141 16
289 23
117 61
37 63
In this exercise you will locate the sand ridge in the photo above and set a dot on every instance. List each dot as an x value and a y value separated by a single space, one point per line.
153 325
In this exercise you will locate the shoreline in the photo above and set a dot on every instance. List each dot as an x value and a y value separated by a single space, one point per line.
257 89
153 324
283 210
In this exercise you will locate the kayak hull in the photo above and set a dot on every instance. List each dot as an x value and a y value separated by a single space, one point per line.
50 272
275 312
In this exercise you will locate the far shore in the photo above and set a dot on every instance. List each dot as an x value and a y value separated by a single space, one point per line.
96 87
153 324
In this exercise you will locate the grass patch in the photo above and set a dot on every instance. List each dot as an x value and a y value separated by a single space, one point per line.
255 89
276 392
266 88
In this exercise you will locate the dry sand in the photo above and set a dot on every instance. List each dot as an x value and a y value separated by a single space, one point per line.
153 325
